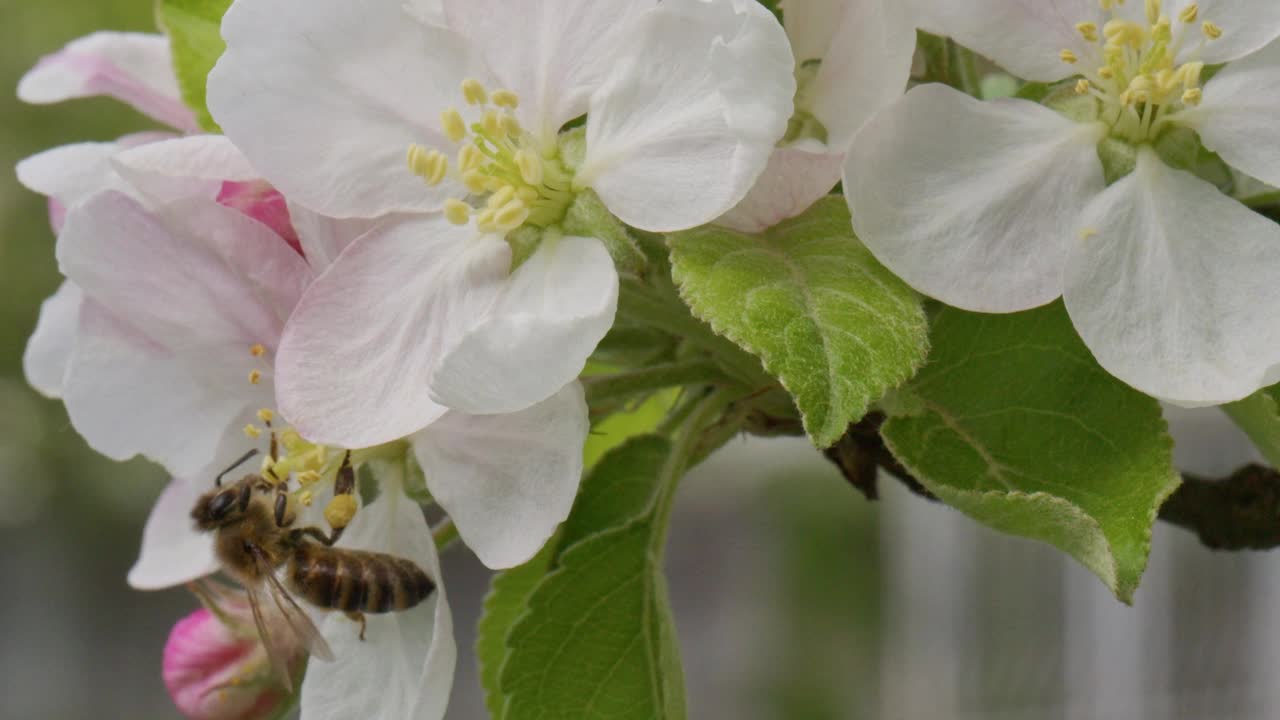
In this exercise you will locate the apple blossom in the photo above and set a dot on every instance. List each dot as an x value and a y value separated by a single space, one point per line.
852 58
215 666
684 100
1005 205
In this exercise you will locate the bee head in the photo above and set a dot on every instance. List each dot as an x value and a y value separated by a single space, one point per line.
222 506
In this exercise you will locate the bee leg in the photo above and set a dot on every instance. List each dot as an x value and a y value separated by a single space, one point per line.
359 617
345 481
282 507
316 533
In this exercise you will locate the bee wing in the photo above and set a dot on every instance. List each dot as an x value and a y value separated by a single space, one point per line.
299 622
275 654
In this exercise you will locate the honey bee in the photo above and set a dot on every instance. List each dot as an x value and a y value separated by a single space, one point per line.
254 537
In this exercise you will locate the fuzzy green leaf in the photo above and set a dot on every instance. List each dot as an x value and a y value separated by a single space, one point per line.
194 30
507 600
597 639
1014 423
832 324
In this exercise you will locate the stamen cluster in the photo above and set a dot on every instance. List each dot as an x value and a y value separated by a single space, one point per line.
513 180
1136 75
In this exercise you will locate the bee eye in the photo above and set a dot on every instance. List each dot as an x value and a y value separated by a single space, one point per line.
221 505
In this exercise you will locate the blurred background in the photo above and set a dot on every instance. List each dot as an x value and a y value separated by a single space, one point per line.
794 597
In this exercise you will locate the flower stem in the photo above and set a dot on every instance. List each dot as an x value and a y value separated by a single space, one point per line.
618 387
688 447
444 534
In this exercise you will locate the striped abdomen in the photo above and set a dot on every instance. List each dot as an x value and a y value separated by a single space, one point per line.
356 581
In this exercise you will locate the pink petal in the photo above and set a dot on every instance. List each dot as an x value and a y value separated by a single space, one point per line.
131 67
356 358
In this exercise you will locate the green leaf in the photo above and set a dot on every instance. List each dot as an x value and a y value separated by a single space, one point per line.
1018 426
1259 416
597 639
835 327
194 30
507 599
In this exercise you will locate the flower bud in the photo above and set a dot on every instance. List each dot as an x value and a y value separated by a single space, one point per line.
216 668
263 203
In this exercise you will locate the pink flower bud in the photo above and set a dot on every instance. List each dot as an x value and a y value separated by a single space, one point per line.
218 670
263 203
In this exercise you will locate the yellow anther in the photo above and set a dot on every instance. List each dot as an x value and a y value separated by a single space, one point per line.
292 441
317 458
527 194
511 216
469 158
503 196
484 220
511 126
308 477
430 165
1106 73
255 377
1161 31
1189 74
305 497
492 123
252 431
340 510
1088 30
257 350
1082 87
1068 57
530 165
1189 13
474 92
1153 11
1124 32
1211 31
266 415
455 128
506 99
456 211
1087 233
476 181
1192 96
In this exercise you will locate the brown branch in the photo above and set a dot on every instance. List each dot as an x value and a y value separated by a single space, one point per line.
1240 512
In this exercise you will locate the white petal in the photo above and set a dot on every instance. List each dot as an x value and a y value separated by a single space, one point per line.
49 349
1176 294
194 166
1247 25
324 238
354 364
403 669
129 395
193 275
552 53
72 173
507 480
811 24
131 67
173 552
326 96
1236 119
972 202
552 313
1025 37
686 122
174 300
864 68
796 177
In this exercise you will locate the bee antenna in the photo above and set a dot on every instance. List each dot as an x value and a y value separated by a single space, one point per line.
218 481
